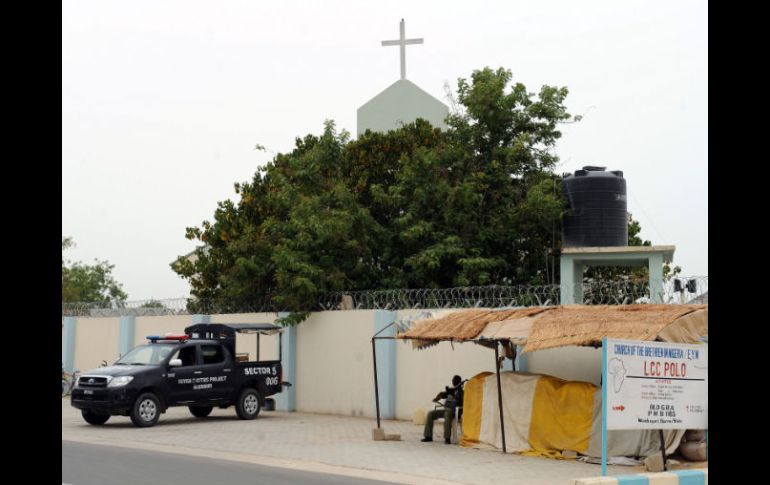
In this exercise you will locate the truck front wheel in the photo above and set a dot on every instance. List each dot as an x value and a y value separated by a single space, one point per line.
146 410
93 418
201 411
249 403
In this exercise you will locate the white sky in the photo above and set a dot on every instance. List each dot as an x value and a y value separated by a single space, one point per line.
163 102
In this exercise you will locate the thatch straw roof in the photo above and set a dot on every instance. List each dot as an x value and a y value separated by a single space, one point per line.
587 324
516 330
462 325
548 327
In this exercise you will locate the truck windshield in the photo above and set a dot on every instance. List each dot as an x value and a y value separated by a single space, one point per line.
151 354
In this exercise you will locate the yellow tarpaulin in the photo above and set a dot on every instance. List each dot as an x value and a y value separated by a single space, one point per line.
562 413
472 405
545 415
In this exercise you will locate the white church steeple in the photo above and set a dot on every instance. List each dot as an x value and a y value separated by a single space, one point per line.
403 101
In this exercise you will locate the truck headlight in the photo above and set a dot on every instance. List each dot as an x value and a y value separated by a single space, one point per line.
120 381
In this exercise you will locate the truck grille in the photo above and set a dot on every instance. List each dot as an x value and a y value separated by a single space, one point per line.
87 381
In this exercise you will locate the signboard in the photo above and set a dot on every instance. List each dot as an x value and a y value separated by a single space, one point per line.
655 385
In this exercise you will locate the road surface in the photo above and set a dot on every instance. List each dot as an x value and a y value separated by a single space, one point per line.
85 464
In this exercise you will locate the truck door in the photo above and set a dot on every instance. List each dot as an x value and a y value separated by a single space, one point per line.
182 379
217 366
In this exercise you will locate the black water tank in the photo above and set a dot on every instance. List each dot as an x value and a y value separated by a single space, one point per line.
598 209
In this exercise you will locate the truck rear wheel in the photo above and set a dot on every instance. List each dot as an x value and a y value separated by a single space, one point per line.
201 411
146 410
93 418
249 403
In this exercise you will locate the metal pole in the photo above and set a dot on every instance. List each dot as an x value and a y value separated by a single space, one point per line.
663 449
376 387
499 392
604 406
257 346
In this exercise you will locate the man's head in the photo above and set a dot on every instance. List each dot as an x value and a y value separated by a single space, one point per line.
456 380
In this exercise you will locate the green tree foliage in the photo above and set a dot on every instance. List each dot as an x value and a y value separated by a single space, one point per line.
416 207
88 283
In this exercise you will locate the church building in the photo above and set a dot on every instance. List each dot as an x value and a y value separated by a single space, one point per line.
401 102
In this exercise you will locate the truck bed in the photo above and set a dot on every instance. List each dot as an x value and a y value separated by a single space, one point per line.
268 372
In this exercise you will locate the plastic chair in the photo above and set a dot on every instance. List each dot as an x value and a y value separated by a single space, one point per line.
457 425
456 422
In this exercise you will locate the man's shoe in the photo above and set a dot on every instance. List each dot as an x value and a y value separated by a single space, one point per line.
446 440
426 440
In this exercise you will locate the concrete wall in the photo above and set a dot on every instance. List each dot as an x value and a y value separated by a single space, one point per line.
96 339
334 363
421 374
161 325
570 363
334 371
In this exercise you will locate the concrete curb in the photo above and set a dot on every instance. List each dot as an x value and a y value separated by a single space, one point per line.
676 477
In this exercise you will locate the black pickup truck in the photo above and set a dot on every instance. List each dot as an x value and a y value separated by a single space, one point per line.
197 369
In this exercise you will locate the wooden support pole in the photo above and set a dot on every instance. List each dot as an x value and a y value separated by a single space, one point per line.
499 392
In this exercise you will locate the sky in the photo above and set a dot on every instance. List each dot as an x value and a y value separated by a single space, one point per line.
163 103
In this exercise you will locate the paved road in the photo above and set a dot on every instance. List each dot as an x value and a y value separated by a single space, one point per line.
85 464
336 445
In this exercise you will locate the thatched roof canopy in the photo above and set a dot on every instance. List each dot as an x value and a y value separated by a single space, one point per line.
461 326
558 326
586 324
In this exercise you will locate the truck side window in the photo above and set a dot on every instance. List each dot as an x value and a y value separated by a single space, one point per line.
187 355
212 354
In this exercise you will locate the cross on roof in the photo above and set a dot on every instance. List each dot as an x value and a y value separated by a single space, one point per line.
402 42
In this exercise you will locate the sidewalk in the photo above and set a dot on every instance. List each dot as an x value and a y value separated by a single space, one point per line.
328 444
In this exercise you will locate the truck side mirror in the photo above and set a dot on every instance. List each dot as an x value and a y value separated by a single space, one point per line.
175 363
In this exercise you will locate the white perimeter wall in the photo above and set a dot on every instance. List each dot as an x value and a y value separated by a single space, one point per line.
96 339
421 374
144 326
334 363
570 363
334 358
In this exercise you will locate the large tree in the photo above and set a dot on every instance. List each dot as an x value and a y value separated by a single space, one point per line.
416 207
88 283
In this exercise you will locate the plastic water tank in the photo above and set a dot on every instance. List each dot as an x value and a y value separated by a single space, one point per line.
598 210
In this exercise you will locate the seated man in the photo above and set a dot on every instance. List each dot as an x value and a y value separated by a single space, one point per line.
454 398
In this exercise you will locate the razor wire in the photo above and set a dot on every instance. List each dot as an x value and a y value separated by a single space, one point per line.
459 297
601 292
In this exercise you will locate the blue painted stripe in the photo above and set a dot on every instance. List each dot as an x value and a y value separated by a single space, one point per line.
126 335
690 477
684 477
287 399
198 318
386 363
632 480
68 344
